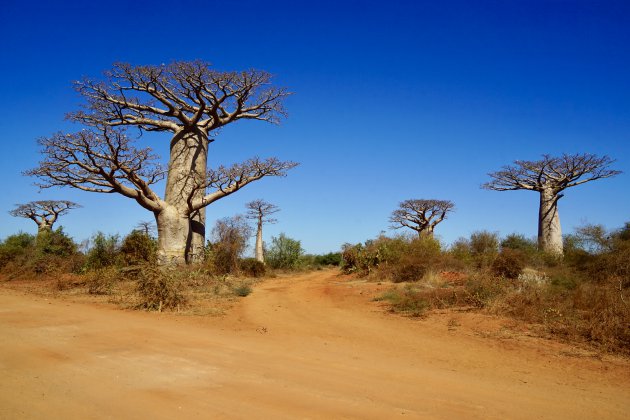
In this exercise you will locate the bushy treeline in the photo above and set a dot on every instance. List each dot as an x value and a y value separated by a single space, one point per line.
582 296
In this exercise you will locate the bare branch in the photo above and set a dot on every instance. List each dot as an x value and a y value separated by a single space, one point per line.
178 96
104 162
554 173
226 180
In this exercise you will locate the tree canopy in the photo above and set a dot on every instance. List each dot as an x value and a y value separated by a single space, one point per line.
420 215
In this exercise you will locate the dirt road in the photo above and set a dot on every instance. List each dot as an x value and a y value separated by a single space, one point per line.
307 347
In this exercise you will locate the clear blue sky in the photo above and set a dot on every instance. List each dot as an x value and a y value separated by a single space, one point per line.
393 100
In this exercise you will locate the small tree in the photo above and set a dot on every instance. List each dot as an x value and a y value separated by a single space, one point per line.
284 252
44 213
549 177
230 237
260 210
421 215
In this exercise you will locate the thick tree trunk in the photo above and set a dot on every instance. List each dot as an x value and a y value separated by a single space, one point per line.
186 170
43 229
549 231
173 236
259 242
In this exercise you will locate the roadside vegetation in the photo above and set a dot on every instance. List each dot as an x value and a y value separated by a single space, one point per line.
124 270
583 296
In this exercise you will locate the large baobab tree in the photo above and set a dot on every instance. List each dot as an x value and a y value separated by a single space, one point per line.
260 210
107 162
189 100
421 215
45 213
549 177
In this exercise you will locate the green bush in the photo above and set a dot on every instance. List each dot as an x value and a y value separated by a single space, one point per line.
516 241
55 242
484 247
284 252
138 248
332 258
104 251
14 247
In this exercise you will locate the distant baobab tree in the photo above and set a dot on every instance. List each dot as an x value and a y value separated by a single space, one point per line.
45 213
260 210
147 227
549 177
421 215
189 100
107 162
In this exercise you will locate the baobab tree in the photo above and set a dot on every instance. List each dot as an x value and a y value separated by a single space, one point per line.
421 215
108 162
549 177
260 210
45 213
189 100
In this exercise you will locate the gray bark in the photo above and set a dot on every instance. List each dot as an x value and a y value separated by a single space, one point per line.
186 173
173 236
259 241
549 230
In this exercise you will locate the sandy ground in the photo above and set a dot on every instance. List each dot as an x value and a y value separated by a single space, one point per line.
312 346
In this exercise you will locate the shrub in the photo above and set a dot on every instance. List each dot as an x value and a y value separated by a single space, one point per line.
332 258
138 248
230 237
252 267
509 263
159 289
242 290
408 301
409 270
55 242
102 280
484 247
15 246
482 289
104 252
284 252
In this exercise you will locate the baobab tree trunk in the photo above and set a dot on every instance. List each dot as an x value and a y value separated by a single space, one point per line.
186 171
43 229
173 236
259 242
549 231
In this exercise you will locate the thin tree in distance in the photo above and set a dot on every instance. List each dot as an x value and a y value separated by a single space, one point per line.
421 215
260 210
45 213
191 101
550 176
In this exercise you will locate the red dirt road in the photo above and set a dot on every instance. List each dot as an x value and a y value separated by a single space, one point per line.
312 346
